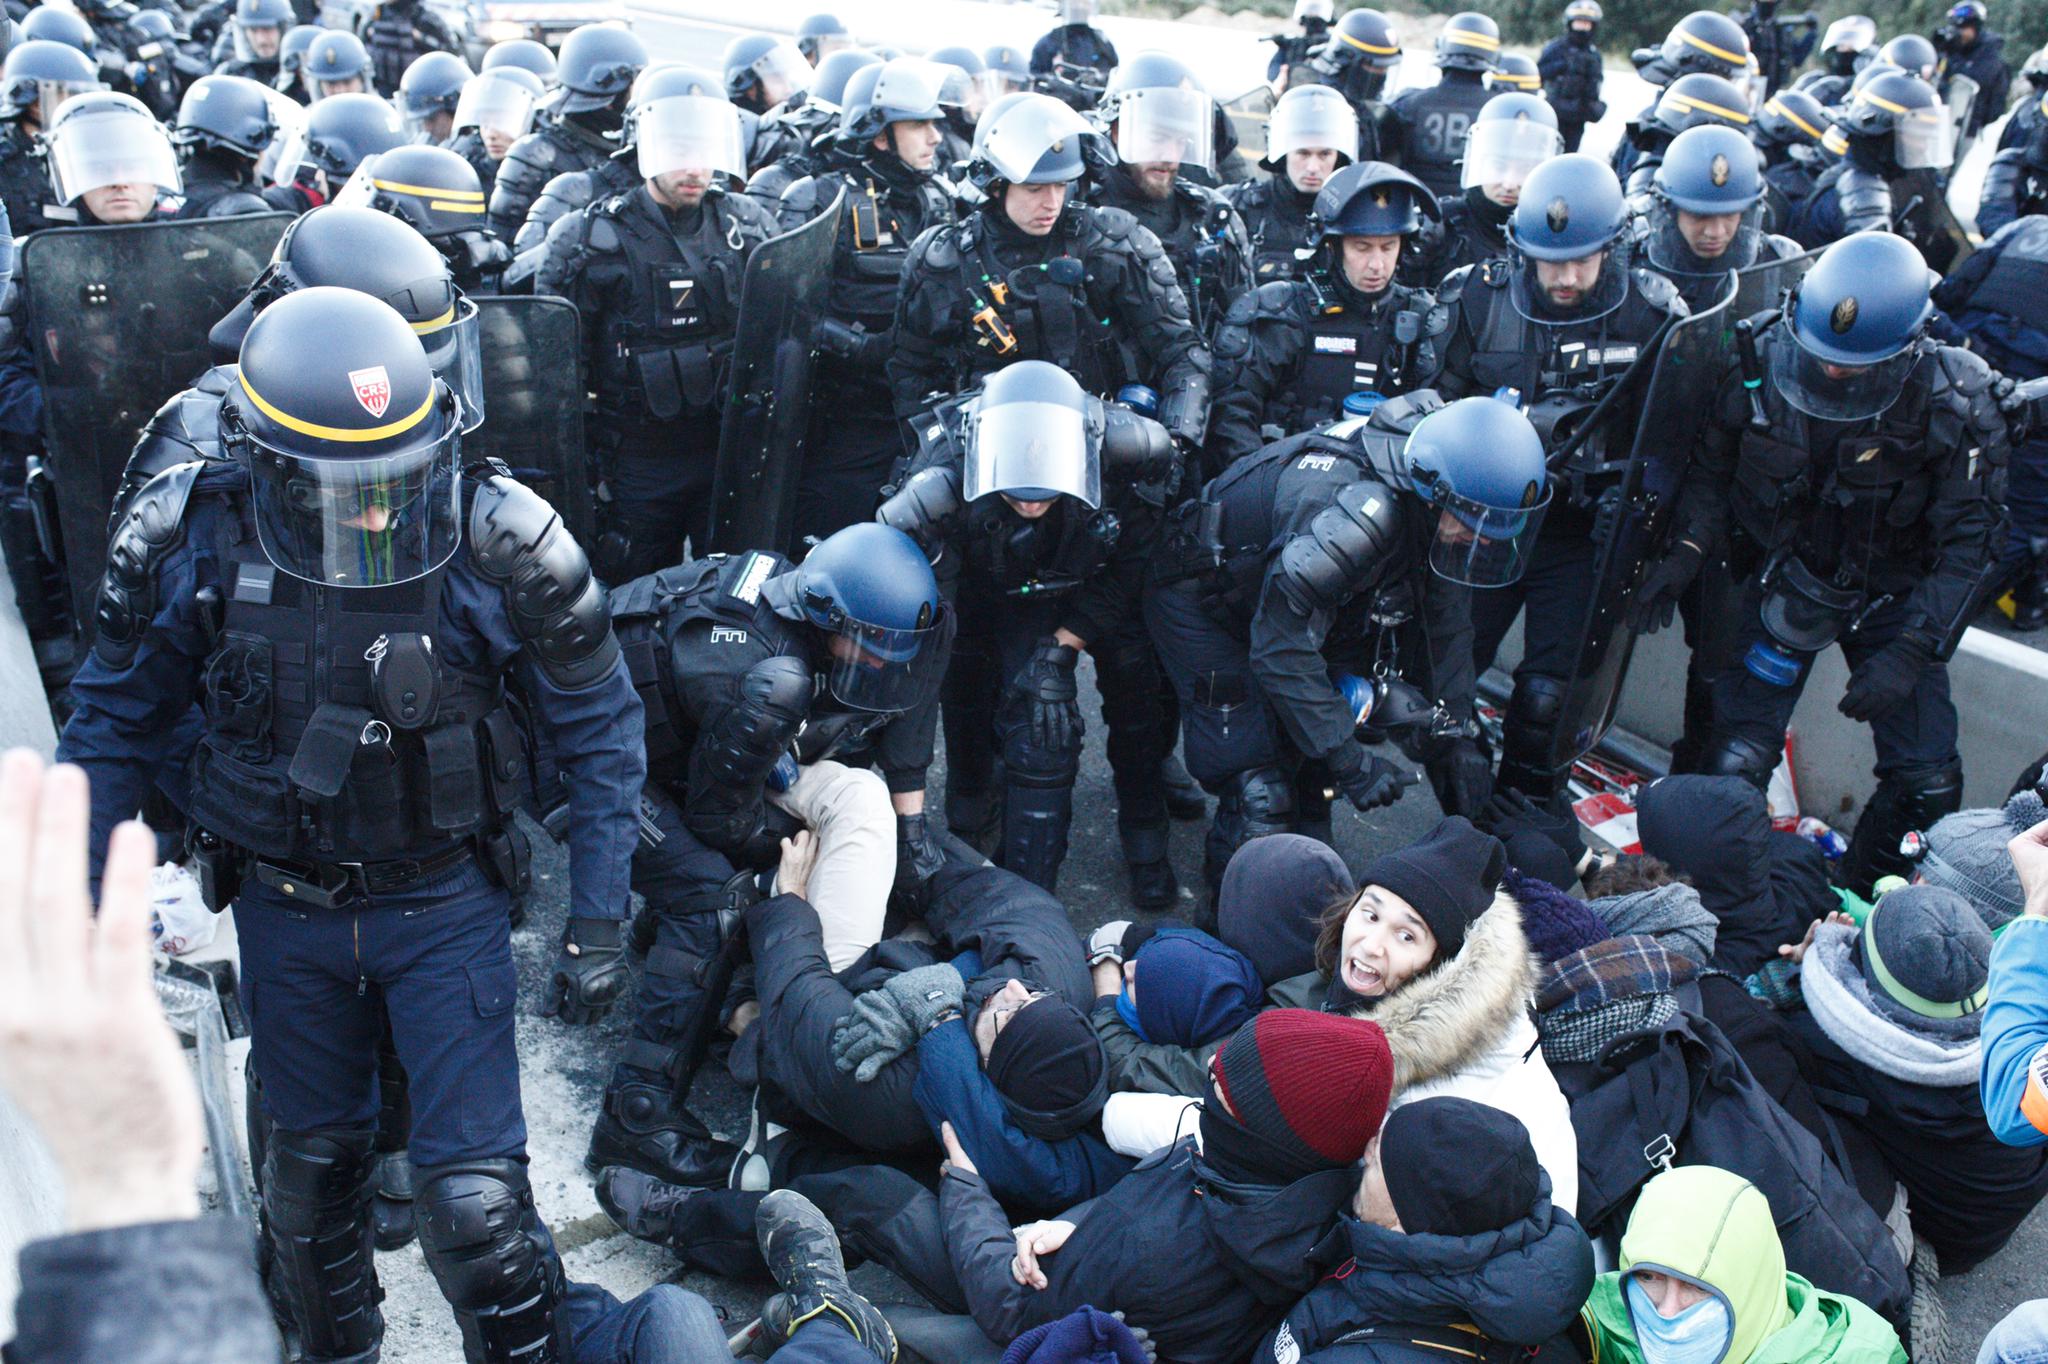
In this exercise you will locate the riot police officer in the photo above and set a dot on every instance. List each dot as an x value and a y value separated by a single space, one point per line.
428 92
1075 50
2016 181
1297 587
524 54
655 274
1560 320
1513 71
820 35
1162 122
437 193
495 111
336 64
336 804
1011 68
110 161
1514 134
1312 134
400 32
1694 100
1706 214
879 170
800 148
768 685
964 96
2026 110
764 73
1780 42
1788 131
1312 20
571 191
1361 51
1969 48
1994 299
1291 352
224 125
159 70
1027 275
1894 124
1040 507
1845 49
1702 41
291 61
36 79
341 132
258 30
1430 123
598 66
1856 494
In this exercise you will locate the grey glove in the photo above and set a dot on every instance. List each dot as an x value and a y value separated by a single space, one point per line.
926 996
870 1037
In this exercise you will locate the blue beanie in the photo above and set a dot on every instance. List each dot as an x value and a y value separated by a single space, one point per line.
1192 989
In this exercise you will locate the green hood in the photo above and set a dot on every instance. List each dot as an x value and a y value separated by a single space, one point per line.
1715 1228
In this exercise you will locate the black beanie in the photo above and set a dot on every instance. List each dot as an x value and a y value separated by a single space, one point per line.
1458 1168
1048 1066
1450 876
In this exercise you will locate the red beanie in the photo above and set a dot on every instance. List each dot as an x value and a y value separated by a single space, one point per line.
1313 1083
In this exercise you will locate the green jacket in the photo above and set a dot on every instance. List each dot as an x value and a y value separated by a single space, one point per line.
1714 1228
1162 1068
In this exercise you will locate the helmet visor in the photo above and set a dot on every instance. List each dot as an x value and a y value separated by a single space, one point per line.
876 668
358 523
455 349
495 106
1926 140
1500 153
1035 452
1479 545
1832 392
1315 120
1685 243
689 133
50 95
1166 126
1015 143
1565 293
782 72
118 149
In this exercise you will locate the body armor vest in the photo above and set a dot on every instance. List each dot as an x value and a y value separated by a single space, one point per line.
1349 350
1036 311
1048 557
663 352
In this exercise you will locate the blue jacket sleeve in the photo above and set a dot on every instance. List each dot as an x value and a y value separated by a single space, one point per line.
2015 1027
1042 1176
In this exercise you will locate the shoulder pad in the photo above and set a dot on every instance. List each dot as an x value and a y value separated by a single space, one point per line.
1343 548
1115 224
1453 286
747 212
938 246
803 196
556 604
1278 298
535 151
1657 291
153 523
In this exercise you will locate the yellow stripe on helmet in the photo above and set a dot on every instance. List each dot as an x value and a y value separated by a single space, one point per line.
1689 102
428 191
1470 39
336 433
1373 48
433 324
1776 106
1732 58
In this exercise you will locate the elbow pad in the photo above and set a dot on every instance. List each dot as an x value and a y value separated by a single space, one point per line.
1135 443
556 603
924 507
1184 408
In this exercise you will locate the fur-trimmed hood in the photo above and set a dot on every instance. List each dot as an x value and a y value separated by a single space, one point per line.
1464 1030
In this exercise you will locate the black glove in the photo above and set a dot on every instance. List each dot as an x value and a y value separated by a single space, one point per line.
854 343
1510 812
589 973
1657 599
1885 679
918 855
1050 695
1465 778
1377 782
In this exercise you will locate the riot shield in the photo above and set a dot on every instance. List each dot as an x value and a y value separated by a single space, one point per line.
1249 113
118 318
1762 287
768 405
533 403
1687 368
1920 214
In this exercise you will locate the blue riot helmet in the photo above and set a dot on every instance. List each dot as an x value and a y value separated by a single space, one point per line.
1310 118
820 35
1704 40
1010 65
1790 118
336 59
1028 139
259 27
431 85
49 24
352 442
41 75
1513 135
973 89
905 90
871 591
597 67
1912 54
772 64
828 87
1029 437
1696 100
1847 340
1370 199
1706 203
524 54
1571 209
1515 72
1479 463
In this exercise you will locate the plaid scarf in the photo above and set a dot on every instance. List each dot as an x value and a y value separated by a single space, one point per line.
1617 969
1582 1036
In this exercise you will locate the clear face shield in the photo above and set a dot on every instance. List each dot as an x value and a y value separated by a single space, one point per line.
1832 392
883 670
1925 140
1166 126
455 349
1686 243
257 42
782 72
498 109
1014 146
684 133
1500 153
1565 293
290 117
1034 452
963 94
112 149
1316 119
359 523
1480 545
50 96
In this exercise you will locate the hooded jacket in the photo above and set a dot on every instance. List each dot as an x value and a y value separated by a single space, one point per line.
1717 831
1714 1229
1520 1285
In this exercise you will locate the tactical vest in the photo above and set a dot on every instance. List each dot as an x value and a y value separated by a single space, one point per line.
1036 311
1194 230
1349 350
663 350
1438 120
874 241
2017 281
335 732
1049 557
394 41
1278 229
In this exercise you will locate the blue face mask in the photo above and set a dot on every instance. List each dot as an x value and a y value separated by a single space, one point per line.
1698 1335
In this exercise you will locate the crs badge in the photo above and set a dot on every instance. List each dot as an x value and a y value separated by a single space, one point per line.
373 389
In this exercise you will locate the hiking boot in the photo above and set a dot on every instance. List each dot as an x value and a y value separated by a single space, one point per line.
803 1256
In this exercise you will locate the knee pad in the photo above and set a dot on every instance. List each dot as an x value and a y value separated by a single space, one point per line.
493 1259
1533 709
1926 792
1734 756
316 1200
1262 801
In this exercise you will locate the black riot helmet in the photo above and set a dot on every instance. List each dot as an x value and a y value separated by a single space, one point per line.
432 84
1912 54
1586 11
1029 139
1696 100
433 189
47 23
1702 41
820 35
1363 37
41 74
904 90
526 55
351 441
772 64
333 58
1469 42
1028 436
1513 71
1899 119
597 67
1372 199
225 113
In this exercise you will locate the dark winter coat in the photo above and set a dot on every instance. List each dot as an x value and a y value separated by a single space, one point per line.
1717 831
